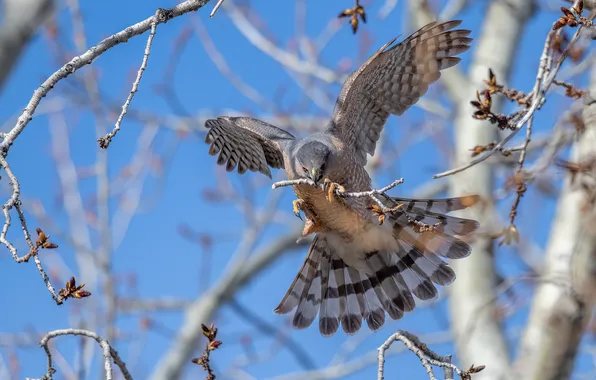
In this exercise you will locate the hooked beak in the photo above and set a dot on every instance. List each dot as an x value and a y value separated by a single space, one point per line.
315 175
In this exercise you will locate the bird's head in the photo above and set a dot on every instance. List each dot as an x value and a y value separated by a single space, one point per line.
311 160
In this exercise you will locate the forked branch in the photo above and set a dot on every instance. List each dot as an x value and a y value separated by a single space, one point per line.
109 353
427 357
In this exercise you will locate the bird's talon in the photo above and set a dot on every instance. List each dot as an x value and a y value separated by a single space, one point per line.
296 207
381 213
310 226
331 187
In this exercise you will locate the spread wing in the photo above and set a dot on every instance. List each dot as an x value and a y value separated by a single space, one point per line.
391 81
247 143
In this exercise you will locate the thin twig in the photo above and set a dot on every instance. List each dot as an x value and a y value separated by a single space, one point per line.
10 203
216 7
372 194
537 102
543 69
105 141
345 194
14 201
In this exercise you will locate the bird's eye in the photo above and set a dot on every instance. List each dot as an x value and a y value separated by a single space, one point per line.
304 169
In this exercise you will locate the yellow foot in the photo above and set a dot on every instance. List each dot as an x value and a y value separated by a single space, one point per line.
296 207
378 211
310 226
331 187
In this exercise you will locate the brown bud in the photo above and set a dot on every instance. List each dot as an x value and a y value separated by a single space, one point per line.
354 22
346 13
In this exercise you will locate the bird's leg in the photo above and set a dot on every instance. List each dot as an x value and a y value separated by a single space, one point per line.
297 206
310 226
381 214
330 187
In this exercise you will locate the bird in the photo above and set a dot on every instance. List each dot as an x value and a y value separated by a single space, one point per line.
363 263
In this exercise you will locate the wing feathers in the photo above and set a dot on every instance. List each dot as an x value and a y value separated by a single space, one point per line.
246 144
391 81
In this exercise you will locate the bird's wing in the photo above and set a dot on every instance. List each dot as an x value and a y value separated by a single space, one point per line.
246 143
391 81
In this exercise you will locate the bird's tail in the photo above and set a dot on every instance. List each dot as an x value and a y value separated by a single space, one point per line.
340 294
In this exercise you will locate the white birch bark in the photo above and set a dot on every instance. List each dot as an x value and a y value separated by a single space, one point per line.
478 335
565 296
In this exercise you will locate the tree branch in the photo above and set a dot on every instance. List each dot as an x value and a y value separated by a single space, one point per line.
109 353
104 141
541 88
495 48
161 16
22 19
427 357
561 310
204 308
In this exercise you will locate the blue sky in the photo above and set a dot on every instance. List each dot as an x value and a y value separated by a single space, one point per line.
165 264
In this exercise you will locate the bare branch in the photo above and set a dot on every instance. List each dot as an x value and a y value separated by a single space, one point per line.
216 7
452 9
282 56
203 308
22 19
109 353
453 79
496 47
301 354
86 58
561 311
427 357
343 193
131 305
343 368
76 63
104 142
14 201
541 86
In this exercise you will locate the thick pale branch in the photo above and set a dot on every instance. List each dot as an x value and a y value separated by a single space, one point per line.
22 19
496 48
203 309
453 79
285 58
558 316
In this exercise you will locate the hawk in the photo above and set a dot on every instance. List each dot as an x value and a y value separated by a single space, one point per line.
358 266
